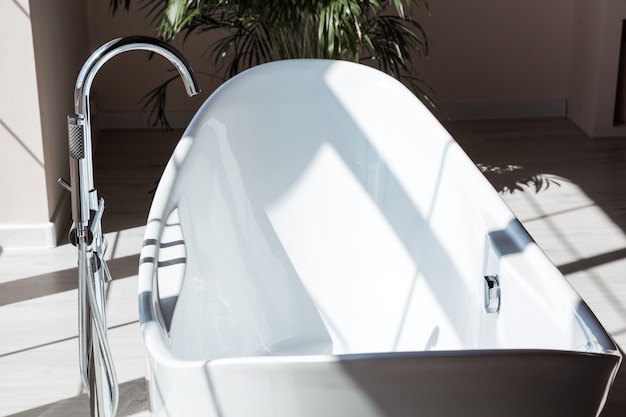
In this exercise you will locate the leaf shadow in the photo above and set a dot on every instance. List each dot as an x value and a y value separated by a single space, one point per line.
509 178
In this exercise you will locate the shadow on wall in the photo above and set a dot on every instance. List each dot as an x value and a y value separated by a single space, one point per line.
21 143
22 9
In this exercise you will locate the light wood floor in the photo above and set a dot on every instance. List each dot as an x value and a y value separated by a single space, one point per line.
569 191
38 293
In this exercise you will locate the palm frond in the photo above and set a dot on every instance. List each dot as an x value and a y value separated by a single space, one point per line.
259 31
115 5
155 100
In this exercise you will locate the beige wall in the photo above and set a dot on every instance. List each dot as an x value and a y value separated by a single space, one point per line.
24 208
494 58
488 58
42 44
61 47
594 66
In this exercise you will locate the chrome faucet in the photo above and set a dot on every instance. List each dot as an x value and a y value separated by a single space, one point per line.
105 53
96 365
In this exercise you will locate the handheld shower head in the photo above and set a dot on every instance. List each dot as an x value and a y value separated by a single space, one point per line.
76 135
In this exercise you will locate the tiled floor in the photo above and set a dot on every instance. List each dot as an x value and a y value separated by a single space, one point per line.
569 192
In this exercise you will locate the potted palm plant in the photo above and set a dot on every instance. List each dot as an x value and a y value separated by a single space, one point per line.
380 33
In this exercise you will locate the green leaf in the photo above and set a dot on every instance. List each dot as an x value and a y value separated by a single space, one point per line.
252 32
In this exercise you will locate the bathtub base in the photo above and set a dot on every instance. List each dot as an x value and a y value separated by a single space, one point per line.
436 384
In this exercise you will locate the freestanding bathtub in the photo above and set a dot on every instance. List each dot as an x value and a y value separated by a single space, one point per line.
319 245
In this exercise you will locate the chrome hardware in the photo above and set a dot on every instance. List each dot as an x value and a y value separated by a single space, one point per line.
65 184
77 145
97 217
492 294
96 364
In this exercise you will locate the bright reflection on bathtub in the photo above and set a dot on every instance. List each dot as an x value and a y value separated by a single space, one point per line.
328 202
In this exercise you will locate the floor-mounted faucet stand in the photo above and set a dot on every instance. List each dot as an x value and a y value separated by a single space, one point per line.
96 365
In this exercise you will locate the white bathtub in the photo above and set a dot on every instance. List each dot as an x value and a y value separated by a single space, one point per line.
318 246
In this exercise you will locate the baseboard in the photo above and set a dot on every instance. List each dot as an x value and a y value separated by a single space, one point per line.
141 120
39 235
28 236
494 110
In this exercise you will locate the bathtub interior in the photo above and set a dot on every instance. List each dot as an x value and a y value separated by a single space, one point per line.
317 207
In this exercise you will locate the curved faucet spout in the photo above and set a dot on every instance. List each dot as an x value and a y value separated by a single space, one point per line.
91 68
116 47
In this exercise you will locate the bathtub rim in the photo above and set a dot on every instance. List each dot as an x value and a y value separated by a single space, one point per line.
163 364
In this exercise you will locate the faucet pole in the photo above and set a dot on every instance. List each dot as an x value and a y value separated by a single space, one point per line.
96 364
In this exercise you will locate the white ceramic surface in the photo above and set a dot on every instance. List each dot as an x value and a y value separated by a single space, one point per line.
318 245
